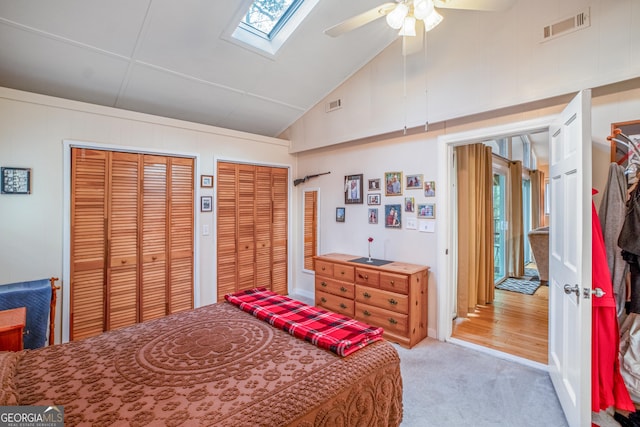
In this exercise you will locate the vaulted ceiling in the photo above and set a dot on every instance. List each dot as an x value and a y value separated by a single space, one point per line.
174 58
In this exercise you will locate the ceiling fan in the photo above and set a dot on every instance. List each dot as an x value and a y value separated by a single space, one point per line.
403 14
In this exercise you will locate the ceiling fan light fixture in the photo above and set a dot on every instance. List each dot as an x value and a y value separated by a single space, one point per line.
432 21
409 27
395 18
422 8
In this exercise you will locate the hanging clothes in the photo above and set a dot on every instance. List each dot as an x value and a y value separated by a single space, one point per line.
612 213
607 386
629 242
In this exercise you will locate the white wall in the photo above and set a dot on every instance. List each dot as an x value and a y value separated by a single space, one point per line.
477 62
416 154
32 130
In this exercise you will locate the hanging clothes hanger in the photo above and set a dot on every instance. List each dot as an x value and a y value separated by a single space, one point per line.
628 141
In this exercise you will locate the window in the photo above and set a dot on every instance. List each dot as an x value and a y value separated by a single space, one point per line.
267 24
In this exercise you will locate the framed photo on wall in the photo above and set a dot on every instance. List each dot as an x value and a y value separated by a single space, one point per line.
373 199
374 184
414 182
340 214
393 216
393 184
373 216
16 180
427 210
206 204
206 181
429 189
353 189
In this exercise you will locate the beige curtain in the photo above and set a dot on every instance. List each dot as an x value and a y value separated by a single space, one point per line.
515 227
537 180
475 227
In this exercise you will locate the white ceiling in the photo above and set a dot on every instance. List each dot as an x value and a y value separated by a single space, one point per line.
171 58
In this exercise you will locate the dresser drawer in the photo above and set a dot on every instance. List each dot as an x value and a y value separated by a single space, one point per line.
335 287
389 320
343 272
367 277
394 282
324 268
383 299
335 303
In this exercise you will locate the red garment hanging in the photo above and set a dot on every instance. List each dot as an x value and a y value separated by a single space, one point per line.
607 386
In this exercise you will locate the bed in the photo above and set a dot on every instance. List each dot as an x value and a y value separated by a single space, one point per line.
215 365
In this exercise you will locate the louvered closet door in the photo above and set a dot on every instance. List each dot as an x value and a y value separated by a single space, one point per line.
122 272
181 235
246 226
279 233
154 238
264 223
227 232
88 242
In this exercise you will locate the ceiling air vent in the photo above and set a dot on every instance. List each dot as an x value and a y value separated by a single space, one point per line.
574 23
333 105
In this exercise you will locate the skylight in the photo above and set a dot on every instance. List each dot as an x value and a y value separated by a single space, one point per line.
267 24
266 17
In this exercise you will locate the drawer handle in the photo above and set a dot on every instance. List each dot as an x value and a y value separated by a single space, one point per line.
366 313
392 301
342 272
366 295
393 321
322 268
323 299
124 261
342 306
392 282
323 284
343 289
153 258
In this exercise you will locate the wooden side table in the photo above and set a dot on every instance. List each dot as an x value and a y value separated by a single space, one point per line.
11 328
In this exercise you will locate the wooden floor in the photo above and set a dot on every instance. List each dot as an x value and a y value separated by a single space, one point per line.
515 323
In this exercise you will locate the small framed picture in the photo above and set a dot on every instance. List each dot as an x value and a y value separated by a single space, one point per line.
392 216
429 189
16 180
206 180
206 204
353 189
374 184
373 199
373 215
414 182
409 204
393 184
428 210
340 214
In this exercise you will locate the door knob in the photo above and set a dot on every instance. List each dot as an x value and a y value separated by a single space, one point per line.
568 289
597 292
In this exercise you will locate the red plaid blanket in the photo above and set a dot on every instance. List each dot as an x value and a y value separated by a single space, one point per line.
331 331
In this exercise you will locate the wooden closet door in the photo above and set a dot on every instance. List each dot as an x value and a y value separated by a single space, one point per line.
153 293
123 213
88 242
181 234
264 224
227 231
246 226
279 233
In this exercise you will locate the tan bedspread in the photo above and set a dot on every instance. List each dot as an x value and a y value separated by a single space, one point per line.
215 365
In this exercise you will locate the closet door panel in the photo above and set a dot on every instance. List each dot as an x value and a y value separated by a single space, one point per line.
246 226
122 274
279 242
181 234
153 292
227 228
88 242
264 218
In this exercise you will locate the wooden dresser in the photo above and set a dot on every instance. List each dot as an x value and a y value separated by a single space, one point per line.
11 329
393 296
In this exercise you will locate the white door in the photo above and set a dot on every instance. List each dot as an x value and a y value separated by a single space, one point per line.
570 259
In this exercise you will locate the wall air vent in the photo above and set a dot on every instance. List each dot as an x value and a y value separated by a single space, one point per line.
333 105
565 26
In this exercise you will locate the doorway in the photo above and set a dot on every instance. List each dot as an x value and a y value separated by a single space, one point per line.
514 324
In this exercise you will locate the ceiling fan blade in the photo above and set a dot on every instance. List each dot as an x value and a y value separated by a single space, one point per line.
360 20
487 5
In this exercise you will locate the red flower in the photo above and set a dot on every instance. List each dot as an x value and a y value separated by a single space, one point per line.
370 239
